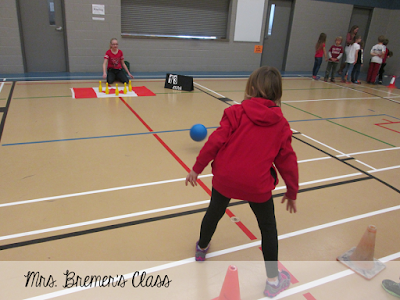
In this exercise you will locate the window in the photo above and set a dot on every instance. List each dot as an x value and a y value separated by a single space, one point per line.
200 19
271 19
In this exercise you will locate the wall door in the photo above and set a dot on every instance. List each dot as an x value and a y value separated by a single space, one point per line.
277 31
361 17
42 35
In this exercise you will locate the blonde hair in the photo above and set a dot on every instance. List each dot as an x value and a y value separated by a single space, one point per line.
381 38
265 82
113 39
339 38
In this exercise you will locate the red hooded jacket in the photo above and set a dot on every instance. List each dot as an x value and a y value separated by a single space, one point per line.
252 138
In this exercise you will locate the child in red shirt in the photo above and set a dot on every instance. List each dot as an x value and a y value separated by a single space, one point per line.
113 64
253 139
335 54
319 53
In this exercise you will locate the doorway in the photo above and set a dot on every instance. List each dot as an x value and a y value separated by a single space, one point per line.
361 16
277 33
42 30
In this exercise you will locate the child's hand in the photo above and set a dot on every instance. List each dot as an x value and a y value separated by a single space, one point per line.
291 204
104 75
191 178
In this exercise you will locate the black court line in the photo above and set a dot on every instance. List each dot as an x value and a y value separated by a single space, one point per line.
350 165
159 218
5 110
341 160
349 158
225 100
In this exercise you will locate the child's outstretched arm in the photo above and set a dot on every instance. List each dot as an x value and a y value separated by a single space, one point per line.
126 69
191 178
290 205
105 68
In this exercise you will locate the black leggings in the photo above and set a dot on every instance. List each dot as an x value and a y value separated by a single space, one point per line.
119 74
265 214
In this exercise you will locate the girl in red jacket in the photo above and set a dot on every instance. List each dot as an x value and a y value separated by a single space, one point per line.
253 139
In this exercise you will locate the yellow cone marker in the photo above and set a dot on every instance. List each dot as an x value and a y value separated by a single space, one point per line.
125 90
100 87
116 90
130 86
107 90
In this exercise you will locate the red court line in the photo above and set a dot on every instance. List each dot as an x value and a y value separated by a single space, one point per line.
389 122
281 267
308 296
228 212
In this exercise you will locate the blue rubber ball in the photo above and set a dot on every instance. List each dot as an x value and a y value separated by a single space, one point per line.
198 132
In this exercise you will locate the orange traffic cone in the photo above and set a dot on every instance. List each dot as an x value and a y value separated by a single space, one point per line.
361 258
392 84
230 289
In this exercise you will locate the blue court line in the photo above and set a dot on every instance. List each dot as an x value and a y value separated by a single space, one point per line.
99 137
177 130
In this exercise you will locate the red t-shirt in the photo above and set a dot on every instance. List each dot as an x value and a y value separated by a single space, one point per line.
114 60
320 51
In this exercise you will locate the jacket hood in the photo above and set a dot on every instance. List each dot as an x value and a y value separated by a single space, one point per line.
262 112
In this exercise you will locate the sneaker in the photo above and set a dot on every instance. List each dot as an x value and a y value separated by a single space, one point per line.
201 253
314 77
343 81
326 79
380 82
357 82
391 287
333 80
284 282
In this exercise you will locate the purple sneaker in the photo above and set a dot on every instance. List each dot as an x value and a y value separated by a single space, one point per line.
201 253
284 282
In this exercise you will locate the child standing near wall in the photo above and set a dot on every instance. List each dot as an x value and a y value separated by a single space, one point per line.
113 64
349 41
358 64
351 59
253 139
335 54
319 53
377 52
382 68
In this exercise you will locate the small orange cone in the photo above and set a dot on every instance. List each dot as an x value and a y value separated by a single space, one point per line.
361 258
230 289
392 84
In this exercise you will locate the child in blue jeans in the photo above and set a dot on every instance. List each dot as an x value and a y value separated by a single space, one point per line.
358 64
319 53
253 139
351 59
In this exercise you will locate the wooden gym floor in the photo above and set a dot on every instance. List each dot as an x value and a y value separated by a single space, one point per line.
96 187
